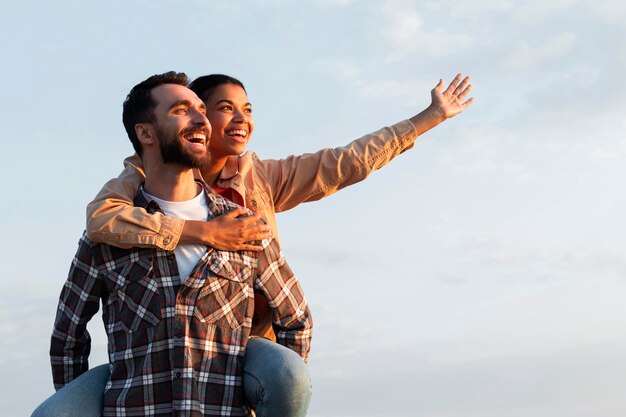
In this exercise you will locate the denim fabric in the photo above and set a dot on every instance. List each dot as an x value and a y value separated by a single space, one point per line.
83 397
276 382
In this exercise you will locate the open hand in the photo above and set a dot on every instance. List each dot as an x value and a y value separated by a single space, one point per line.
449 102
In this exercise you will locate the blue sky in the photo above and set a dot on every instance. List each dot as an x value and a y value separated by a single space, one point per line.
479 274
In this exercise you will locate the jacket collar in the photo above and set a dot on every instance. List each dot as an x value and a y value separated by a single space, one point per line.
231 169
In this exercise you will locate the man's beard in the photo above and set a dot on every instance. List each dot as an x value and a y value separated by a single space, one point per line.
172 151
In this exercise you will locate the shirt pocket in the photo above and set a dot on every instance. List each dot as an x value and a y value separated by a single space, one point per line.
225 297
258 200
136 294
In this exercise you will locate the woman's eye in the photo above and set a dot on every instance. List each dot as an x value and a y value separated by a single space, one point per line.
249 111
226 108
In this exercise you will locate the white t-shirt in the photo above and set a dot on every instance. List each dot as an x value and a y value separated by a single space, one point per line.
187 256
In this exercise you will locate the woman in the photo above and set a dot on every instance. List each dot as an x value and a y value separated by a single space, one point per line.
276 383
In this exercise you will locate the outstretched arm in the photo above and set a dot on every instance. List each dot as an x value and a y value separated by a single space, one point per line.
112 219
313 176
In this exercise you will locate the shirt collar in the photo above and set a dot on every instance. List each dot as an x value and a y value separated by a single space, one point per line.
231 168
216 203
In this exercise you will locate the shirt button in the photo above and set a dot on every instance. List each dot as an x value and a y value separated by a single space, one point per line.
178 374
175 413
167 240
171 257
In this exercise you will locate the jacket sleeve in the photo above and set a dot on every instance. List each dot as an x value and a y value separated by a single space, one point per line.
112 218
291 317
313 176
79 301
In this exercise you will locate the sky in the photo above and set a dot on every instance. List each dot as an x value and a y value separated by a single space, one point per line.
479 274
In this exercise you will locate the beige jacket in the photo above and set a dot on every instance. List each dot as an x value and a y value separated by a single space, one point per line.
267 186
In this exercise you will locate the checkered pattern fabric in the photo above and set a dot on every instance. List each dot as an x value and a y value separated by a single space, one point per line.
174 349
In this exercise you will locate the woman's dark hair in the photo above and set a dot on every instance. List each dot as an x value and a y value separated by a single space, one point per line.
205 86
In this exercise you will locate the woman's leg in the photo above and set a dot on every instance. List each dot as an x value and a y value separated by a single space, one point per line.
82 397
276 380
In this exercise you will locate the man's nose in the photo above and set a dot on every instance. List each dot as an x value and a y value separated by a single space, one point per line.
199 118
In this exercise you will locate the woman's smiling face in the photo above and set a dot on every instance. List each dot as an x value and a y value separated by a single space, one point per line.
230 115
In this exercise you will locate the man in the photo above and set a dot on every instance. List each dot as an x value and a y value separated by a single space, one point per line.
177 321
263 185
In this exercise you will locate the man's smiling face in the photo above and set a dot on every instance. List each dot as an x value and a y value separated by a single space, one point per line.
181 126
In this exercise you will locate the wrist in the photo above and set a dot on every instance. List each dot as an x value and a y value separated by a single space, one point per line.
436 113
427 119
195 231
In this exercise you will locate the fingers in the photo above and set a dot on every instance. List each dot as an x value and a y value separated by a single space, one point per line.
256 233
461 87
248 219
453 84
465 92
239 211
468 102
439 85
253 236
253 248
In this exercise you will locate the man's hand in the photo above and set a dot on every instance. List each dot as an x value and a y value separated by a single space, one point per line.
229 232
449 102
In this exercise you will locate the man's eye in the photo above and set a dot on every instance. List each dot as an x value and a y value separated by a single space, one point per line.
181 110
249 111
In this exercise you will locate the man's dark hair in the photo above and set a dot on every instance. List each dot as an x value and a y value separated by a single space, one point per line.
139 105
205 86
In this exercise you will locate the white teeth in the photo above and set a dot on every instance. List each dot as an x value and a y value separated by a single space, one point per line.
239 132
198 136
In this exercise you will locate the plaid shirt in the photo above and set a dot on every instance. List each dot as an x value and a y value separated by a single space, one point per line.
174 349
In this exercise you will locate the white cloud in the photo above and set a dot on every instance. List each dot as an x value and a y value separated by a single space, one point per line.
535 11
528 11
603 153
338 68
612 12
405 33
601 259
338 3
548 384
528 56
486 150
473 8
411 93
620 55
607 141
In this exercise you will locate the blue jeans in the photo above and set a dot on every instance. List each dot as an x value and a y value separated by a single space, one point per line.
276 382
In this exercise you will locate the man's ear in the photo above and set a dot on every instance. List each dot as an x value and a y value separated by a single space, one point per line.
145 133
